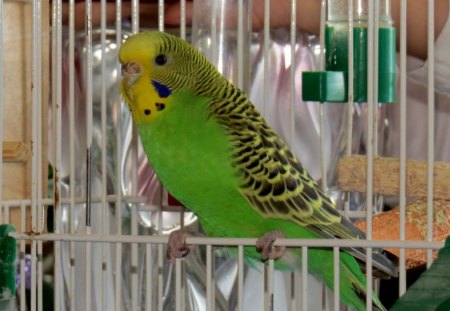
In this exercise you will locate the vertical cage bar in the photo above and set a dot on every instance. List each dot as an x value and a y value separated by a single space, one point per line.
213 281
268 292
323 121
266 52
102 212
336 278
134 16
183 19
240 44
293 287
22 254
350 79
430 156
161 15
376 9
323 11
41 218
33 276
148 277
88 256
209 285
304 278
118 206
134 259
350 102
160 273
240 305
134 209
35 139
40 211
40 277
293 32
370 148
59 294
402 267
40 301
72 151
89 61
178 284
214 42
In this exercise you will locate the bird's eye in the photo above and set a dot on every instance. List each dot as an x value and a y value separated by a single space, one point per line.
161 60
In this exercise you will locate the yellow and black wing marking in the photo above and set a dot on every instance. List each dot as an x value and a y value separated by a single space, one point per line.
275 182
272 179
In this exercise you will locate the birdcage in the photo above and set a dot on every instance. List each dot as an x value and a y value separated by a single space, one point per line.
91 219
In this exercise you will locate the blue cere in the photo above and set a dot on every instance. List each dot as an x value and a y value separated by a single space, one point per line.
163 91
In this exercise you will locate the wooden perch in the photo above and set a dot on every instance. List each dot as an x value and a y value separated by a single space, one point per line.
352 176
15 151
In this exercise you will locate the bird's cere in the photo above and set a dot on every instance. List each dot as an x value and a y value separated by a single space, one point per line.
131 69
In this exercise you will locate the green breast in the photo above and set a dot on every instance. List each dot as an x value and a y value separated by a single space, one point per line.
191 154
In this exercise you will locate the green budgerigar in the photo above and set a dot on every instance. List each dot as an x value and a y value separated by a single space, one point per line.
216 154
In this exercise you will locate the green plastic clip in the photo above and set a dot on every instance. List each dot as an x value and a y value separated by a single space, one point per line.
324 86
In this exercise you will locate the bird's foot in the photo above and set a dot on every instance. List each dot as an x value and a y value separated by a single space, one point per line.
264 245
176 246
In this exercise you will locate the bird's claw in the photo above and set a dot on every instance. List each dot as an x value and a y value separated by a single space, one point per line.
264 245
176 246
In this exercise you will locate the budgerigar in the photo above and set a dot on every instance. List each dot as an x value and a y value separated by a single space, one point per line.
216 154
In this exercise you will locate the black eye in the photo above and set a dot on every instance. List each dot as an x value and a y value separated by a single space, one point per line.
161 60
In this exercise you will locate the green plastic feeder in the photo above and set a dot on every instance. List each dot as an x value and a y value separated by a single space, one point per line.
7 268
331 85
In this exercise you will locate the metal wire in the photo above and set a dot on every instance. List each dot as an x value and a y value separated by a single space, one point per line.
402 267
118 170
71 53
22 253
35 205
323 116
160 239
148 277
89 100
240 305
268 286
209 277
293 37
266 52
430 155
102 213
183 19
304 278
370 148
336 286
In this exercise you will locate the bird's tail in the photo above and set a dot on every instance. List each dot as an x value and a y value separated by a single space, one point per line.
353 285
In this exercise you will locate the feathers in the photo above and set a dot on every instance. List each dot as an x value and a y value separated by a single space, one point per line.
217 155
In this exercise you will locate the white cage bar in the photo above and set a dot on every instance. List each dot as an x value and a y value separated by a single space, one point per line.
119 239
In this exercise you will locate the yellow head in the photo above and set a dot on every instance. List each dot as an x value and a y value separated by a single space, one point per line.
155 65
